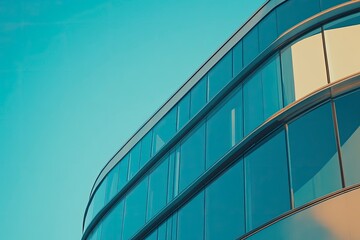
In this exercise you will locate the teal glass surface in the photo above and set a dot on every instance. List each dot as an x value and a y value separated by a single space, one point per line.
123 171
173 174
220 75
224 205
267 31
238 58
135 209
293 12
89 214
198 96
348 117
183 114
325 4
226 123
164 130
112 181
191 219
134 161
96 233
192 157
162 232
251 46
253 103
99 198
171 227
314 159
158 185
112 223
145 149
267 181
153 235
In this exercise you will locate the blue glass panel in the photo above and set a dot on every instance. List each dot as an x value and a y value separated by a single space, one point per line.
145 149
192 157
293 12
171 227
267 31
134 161
224 205
123 171
153 236
220 75
171 177
226 123
325 4
198 96
99 198
157 192
267 181
183 111
253 103
162 232
191 219
314 159
250 46
135 209
164 130
237 58
112 181
271 83
348 116
89 214
112 224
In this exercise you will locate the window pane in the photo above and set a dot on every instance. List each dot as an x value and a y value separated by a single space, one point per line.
342 38
135 209
225 213
267 31
157 188
253 103
303 67
325 4
238 58
220 75
145 149
192 157
348 116
173 175
112 181
162 232
112 224
225 124
134 163
314 158
267 181
251 46
99 198
198 96
123 171
293 12
183 111
164 130
191 219
153 236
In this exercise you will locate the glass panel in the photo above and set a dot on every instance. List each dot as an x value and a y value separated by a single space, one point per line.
303 67
99 198
112 224
314 158
145 149
224 204
192 157
267 31
191 219
253 103
293 12
89 214
171 227
267 181
135 209
164 130
342 38
237 58
162 232
112 181
96 233
123 171
251 46
183 111
348 116
325 4
198 97
153 236
157 188
172 181
336 218
134 163
220 75
225 124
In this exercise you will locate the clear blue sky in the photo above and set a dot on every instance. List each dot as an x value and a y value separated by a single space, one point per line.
77 79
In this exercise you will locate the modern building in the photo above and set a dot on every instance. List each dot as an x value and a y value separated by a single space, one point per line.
262 142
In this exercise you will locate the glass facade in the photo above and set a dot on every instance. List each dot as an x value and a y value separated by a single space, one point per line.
262 149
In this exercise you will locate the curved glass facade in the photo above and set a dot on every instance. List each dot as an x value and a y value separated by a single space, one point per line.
270 129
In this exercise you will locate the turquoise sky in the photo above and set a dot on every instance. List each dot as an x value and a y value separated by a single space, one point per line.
77 79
